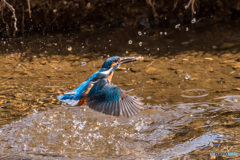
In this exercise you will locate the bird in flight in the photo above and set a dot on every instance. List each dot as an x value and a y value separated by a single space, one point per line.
101 95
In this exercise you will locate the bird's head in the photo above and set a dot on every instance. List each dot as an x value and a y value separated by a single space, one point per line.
114 62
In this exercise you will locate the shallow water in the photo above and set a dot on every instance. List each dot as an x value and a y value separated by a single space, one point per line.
191 101
70 132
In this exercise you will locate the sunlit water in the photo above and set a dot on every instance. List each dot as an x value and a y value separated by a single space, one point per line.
71 132
191 97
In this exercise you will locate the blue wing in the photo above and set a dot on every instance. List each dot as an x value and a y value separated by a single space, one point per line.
74 96
112 100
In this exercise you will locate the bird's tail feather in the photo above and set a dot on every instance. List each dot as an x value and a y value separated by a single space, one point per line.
69 99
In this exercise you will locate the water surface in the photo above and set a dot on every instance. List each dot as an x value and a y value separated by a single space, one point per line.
191 100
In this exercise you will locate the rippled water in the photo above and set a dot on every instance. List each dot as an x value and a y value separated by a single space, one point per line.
191 101
70 132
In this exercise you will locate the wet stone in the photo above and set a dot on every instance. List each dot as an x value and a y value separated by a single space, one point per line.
136 69
153 70
43 62
72 58
236 65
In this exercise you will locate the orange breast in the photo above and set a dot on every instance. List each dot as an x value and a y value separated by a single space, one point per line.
111 75
110 78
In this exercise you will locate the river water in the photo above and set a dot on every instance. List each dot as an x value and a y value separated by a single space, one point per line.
189 81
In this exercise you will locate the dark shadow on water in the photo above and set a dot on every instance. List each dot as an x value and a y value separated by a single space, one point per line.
213 39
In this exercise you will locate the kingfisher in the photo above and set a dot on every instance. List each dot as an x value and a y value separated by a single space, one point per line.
103 96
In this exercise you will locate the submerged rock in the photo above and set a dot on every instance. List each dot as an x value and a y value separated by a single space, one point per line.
153 70
236 65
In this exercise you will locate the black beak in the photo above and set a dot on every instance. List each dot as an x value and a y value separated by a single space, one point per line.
130 59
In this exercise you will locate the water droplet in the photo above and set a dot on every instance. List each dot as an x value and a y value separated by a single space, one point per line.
187 76
140 44
130 42
177 26
69 48
193 20
83 63
139 33
172 60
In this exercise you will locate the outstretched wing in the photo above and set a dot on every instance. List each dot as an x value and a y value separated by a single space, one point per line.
112 100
